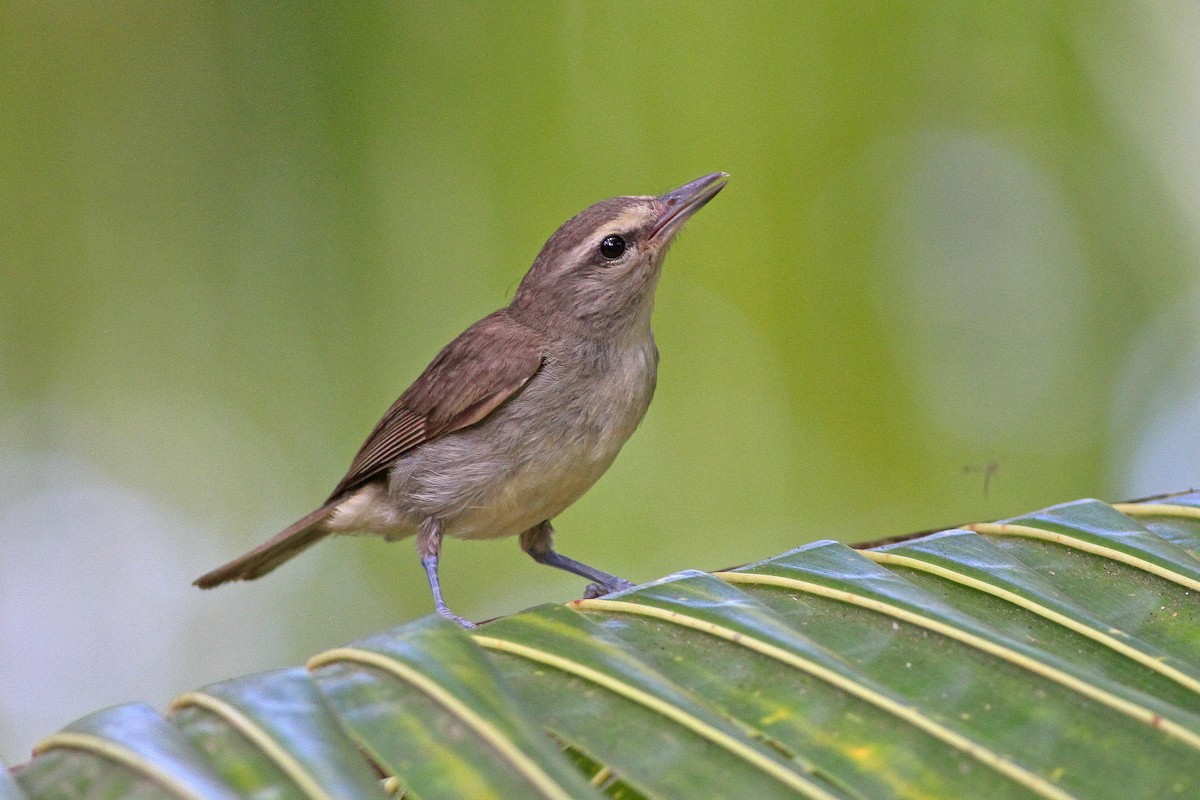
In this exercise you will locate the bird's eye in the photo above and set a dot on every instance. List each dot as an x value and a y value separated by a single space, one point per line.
612 247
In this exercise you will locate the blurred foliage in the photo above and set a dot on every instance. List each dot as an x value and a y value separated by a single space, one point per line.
953 276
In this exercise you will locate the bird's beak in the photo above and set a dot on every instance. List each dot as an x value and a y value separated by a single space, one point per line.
681 203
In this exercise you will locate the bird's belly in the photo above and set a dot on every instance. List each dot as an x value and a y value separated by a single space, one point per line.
528 461
518 480
526 497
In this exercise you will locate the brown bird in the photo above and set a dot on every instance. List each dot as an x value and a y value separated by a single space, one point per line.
516 418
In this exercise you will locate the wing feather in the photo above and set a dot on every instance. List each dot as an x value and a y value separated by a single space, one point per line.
473 376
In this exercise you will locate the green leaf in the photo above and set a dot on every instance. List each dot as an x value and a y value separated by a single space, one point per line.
272 735
1056 655
126 751
1177 521
1054 721
1143 573
979 565
427 706
855 727
571 674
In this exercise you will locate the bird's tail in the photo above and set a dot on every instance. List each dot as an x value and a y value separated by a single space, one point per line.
291 541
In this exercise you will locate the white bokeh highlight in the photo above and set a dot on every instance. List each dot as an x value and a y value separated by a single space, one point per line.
983 284
95 603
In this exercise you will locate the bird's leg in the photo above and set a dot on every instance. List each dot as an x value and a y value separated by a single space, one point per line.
538 542
429 545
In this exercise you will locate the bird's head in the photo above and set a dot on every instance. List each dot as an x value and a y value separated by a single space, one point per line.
599 270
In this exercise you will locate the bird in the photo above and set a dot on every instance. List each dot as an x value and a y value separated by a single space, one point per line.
521 414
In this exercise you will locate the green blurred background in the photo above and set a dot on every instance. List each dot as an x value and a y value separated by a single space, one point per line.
953 277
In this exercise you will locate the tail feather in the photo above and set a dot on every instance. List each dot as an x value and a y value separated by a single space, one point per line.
291 541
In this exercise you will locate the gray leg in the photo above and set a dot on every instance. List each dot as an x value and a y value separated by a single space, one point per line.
538 542
429 545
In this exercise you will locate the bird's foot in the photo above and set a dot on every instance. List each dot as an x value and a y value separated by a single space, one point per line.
455 618
595 590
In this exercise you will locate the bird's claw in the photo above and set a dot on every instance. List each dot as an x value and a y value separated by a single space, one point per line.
595 590
455 618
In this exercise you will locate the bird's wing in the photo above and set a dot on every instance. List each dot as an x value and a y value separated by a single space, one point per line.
487 364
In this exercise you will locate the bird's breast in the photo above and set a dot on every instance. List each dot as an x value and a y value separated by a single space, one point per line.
537 453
